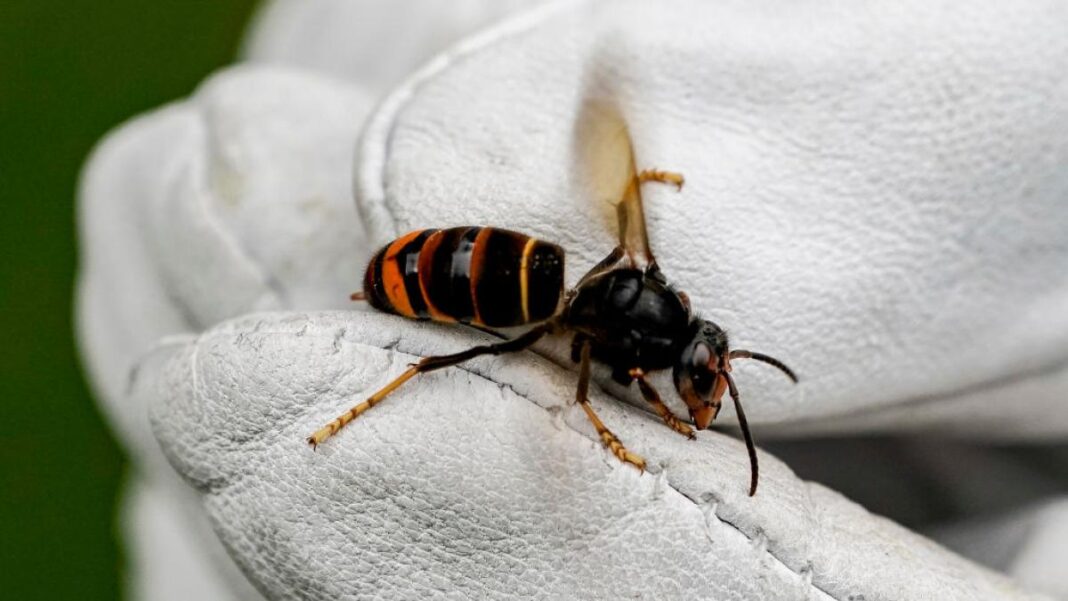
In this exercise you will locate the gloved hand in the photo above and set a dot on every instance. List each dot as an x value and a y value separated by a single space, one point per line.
871 195
167 185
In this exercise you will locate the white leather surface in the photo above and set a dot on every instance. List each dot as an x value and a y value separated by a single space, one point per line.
875 194
234 200
485 482
872 194
375 43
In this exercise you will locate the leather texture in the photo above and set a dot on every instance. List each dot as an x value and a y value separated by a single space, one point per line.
231 201
486 482
873 195
345 39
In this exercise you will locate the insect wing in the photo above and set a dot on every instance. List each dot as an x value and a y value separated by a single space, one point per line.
608 156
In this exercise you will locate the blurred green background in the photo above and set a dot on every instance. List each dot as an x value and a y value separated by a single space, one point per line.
69 72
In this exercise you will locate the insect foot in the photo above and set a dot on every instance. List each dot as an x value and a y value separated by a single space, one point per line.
621 452
664 177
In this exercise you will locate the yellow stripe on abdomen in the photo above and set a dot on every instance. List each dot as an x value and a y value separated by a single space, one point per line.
524 278
393 279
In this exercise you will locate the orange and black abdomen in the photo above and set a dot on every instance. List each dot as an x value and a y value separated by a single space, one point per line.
484 276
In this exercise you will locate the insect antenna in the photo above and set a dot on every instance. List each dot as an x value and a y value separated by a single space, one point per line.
749 446
765 359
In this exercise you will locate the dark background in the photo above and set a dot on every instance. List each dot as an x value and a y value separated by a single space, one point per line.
70 70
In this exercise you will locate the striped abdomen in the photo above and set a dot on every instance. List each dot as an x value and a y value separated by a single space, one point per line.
479 275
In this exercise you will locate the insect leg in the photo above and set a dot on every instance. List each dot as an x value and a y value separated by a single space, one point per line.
633 236
664 177
653 397
582 398
754 469
424 365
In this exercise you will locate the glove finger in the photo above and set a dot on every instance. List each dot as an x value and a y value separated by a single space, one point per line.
892 229
483 480
236 199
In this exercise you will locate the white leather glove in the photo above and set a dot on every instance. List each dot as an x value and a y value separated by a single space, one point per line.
165 185
872 195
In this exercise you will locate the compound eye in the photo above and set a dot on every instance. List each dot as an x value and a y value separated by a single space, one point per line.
701 354
700 373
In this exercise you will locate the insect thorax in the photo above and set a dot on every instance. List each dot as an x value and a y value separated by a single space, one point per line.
631 319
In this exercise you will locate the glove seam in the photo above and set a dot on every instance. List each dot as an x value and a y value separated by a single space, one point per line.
708 509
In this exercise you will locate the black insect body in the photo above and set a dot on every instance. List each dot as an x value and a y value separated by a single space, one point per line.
622 313
632 319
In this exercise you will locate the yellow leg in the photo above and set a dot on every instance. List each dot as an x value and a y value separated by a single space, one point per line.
424 365
653 397
607 438
340 421
664 177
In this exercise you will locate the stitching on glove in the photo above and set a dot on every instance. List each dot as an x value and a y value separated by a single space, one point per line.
709 509
210 486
